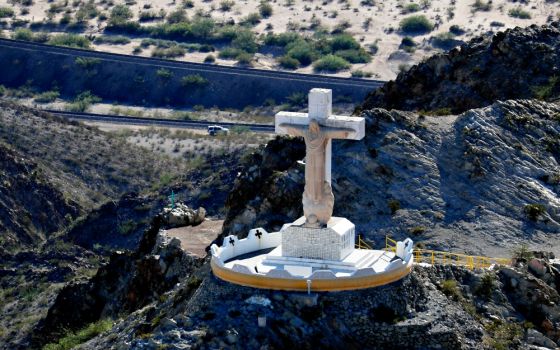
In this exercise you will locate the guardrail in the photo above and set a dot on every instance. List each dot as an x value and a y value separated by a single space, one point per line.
361 244
434 257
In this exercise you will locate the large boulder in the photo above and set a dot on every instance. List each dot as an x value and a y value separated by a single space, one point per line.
181 215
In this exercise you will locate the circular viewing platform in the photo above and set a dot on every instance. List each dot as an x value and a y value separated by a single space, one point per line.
257 261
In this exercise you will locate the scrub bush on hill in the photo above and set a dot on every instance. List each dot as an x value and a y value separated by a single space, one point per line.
330 63
416 25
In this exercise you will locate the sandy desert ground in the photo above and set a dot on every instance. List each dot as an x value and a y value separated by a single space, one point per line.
369 21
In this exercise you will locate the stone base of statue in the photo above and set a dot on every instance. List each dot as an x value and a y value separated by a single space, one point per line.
299 258
333 242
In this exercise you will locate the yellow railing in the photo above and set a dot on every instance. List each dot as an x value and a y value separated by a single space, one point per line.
361 244
434 257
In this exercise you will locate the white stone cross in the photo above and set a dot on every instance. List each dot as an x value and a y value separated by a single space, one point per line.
318 128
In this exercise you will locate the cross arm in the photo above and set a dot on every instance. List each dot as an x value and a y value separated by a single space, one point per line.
293 129
283 120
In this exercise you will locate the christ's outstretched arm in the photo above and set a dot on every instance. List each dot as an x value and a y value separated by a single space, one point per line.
294 129
337 133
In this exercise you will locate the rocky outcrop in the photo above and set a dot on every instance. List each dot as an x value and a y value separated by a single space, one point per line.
444 307
268 191
481 182
115 224
181 215
31 208
129 281
517 63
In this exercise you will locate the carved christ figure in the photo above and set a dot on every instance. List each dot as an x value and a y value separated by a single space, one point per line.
318 199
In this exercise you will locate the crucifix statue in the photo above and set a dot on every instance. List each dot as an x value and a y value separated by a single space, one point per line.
318 128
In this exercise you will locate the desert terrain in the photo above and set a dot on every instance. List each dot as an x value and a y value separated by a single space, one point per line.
376 25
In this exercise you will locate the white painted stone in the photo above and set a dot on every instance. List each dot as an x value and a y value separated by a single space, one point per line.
334 242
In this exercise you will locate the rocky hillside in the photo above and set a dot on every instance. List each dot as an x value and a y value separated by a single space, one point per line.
31 207
53 170
517 63
482 182
435 307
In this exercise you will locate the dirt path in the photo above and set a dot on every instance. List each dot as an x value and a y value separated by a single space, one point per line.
195 239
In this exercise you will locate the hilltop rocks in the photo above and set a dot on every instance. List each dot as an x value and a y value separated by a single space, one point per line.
456 183
128 282
441 307
182 215
517 63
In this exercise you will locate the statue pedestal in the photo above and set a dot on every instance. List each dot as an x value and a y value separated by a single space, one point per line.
334 242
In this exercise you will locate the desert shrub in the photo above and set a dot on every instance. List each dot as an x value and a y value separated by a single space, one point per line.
23 34
245 41
288 62
146 16
542 92
503 335
194 81
486 286
252 19
164 74
47 97
394 205
265 9
244 58
354 56
522 253
361 74
416 25
174 51
410 8
408 44
519 12
87 10
177 16
6 12
229 53
297 99
444 40
281 39
202 28
480 5
82 102
302 51
534 211
87 62
71 40
210 59
73 339
120 13
226 5
456 30
449 288
343 42
330 63
111 39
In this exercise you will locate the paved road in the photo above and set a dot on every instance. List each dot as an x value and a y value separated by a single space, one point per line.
174 123
200 67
